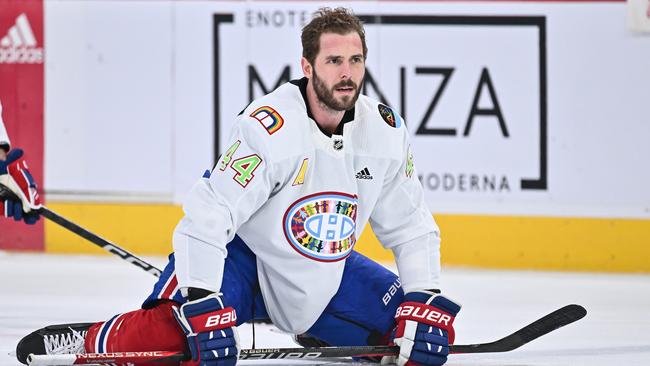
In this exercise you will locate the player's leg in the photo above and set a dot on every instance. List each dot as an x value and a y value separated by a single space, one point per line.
362 311
140 330
154 327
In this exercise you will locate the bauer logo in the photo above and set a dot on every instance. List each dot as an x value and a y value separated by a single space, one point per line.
418 312
322 226
224 318
18 45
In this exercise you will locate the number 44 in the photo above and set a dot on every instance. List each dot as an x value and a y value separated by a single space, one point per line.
244 167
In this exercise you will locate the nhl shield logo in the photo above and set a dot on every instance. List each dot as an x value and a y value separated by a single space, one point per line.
338 144
322 226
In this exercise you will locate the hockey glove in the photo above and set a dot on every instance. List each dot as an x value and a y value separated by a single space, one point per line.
211 331
424 328
15 176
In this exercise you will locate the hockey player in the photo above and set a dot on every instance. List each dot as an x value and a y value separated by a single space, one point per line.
15 176
271 231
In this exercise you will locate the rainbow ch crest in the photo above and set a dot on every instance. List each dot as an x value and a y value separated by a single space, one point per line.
322 226
269 118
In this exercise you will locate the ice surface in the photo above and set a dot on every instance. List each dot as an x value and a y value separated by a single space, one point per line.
42 289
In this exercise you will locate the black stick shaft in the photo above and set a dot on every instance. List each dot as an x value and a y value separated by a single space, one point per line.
99 241
88 235
316 352
544 325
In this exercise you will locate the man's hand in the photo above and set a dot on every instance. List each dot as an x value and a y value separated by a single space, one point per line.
15 176
424 328
211 331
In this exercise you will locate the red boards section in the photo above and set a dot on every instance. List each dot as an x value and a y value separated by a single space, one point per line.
22 57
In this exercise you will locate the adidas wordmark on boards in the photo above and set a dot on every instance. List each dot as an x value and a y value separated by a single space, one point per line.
19 45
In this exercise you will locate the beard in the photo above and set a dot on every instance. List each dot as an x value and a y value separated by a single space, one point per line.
326 95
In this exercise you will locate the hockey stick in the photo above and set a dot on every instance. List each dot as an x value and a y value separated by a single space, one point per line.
559 318
90 236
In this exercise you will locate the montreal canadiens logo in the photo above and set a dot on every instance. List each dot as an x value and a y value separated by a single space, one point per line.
321 226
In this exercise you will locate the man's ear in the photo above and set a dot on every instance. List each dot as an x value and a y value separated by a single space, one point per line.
307 69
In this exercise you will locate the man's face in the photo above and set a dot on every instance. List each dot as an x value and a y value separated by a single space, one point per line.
338 70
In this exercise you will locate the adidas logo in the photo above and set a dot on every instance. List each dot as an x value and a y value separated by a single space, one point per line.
364 174
19 45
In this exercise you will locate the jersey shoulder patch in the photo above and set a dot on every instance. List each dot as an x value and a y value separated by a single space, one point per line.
389 116
270 119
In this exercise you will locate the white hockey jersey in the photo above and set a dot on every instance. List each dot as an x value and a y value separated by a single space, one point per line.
300 199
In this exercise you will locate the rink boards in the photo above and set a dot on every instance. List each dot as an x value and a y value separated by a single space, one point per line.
516 242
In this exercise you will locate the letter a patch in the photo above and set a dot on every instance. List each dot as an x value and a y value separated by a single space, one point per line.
300 178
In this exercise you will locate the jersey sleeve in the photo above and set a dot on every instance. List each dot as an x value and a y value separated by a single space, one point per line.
404 224
217 206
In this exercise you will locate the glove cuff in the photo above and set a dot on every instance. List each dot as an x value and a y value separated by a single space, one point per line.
439 301
208 313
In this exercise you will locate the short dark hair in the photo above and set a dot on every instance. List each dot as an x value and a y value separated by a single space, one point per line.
326 20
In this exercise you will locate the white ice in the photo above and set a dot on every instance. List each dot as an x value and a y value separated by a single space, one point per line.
41 289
